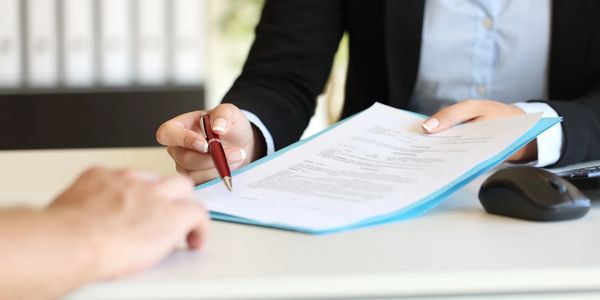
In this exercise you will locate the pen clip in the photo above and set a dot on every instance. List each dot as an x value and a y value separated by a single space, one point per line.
203 128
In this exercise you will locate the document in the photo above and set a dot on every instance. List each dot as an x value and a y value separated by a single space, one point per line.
376 167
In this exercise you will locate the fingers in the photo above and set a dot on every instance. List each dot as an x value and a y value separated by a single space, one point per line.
198 176
223 116
194 239
193 222
452 116
210 172
182 131
94 173
469 111
95 177
192 160
189 149
175 188
192 218
128 175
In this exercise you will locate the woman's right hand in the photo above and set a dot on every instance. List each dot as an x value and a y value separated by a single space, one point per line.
243 143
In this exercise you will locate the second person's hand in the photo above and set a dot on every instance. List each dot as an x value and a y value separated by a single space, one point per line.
129 220
185 144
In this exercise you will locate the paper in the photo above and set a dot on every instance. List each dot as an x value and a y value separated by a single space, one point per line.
363 171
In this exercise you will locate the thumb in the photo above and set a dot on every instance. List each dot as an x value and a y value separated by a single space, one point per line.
193 222
451 116
231 124
181 131
223 117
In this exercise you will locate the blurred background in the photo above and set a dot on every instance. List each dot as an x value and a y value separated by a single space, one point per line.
107 73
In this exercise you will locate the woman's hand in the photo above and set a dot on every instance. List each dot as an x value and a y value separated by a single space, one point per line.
241 141
479 110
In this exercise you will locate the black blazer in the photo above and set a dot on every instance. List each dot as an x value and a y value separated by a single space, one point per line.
296 40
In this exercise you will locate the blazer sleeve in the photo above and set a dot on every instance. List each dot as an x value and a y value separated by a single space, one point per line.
581 128
288 65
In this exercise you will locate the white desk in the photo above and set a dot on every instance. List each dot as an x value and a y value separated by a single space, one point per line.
456 250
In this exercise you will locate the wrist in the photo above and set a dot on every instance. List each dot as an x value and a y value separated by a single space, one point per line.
518 110
81 238
527 154
259 148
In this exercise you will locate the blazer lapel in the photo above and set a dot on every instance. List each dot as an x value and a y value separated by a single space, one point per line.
572 22
403 25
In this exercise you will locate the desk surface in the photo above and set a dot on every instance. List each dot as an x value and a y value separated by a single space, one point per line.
456 249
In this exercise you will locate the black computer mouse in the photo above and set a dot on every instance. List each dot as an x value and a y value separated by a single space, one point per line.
532 194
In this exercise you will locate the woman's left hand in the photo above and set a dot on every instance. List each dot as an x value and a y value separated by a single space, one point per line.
479 110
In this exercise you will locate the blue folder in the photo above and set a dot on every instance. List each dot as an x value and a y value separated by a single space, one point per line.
414 210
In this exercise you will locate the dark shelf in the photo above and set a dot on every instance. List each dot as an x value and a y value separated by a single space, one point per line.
91 118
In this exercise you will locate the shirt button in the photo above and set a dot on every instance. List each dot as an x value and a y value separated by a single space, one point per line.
481 90
487 23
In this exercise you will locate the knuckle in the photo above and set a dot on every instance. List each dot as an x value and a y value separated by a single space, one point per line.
94 170
129 197
195 210
182 170
203 211
226 110
199 210
187 159
227 106
202 176
187 140
126 174
181 140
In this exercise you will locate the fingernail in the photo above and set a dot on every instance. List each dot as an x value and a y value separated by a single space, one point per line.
430 124
219 124
200 146
237 156
194 241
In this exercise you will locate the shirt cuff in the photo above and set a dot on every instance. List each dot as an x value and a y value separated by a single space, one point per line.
263 129
549 143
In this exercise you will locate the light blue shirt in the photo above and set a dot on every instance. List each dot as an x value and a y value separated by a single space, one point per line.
483 49
487 49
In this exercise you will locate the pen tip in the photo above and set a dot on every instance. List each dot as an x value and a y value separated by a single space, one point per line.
228 184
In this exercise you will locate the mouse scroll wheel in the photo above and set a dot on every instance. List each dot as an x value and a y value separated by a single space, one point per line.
557 185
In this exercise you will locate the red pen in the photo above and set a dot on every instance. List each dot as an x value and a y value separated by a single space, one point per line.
215 148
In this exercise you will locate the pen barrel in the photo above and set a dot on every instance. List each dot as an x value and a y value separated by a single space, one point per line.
218 156
206 128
